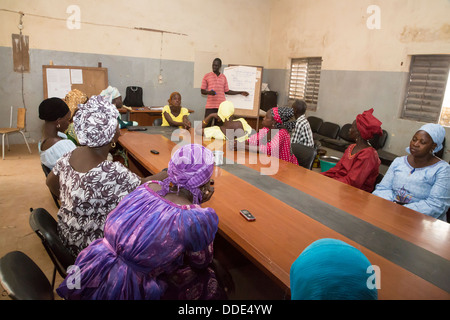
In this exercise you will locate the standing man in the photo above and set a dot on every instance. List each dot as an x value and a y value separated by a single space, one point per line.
302 133
215 86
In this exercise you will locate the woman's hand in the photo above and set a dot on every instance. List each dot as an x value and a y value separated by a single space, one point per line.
187 124
207 190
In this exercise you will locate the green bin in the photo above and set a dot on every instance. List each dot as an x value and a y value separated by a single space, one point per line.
327 162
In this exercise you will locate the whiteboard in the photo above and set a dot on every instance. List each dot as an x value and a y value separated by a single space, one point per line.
241 78
244 78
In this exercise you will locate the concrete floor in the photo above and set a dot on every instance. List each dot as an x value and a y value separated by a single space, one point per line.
22 186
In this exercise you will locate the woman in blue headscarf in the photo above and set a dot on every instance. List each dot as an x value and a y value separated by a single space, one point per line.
158 242
331 269
420 181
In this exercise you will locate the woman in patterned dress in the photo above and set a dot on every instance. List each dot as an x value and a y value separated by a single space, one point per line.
158 242
88 185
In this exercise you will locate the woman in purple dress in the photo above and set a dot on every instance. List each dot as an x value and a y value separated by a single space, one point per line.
158 242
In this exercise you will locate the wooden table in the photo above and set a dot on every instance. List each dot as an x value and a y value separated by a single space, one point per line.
295 207
144 115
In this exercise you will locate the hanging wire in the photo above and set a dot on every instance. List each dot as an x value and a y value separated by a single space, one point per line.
97 24
22 67
160 57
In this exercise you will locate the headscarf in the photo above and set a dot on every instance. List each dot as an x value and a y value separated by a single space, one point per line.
368 125
74 98
110 93
52 109
282 117
226 110
190 167
173 94
331 269
96 122
437 134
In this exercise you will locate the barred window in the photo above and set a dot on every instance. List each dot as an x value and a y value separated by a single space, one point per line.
304 80
426 99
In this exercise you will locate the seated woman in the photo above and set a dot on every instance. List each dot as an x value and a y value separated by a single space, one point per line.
420 181
88 185
330 269
174 115
54 142
240 128
360 164
276 142
113 96
158 242
73 99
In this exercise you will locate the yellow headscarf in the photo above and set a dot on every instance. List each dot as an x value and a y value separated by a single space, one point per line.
74 98
226 110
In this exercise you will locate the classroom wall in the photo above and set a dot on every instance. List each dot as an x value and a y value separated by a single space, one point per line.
362 67
237 31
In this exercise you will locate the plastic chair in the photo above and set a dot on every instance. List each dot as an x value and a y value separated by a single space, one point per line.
46 172
45 227
19 129
22 279
157 122
305 155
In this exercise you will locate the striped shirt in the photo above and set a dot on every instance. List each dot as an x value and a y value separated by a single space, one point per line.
302 133
217 83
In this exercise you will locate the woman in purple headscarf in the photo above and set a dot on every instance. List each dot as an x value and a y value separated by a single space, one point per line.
158 242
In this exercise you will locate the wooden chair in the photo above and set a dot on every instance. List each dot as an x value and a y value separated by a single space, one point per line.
20 129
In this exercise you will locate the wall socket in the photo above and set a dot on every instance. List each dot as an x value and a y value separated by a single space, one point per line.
160 79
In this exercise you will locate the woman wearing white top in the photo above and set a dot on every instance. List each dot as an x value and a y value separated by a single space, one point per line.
54 142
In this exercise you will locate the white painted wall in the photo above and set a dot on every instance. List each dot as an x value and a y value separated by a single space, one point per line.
236 29
337 31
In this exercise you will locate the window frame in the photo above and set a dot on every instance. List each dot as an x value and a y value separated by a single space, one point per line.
311 83
425 87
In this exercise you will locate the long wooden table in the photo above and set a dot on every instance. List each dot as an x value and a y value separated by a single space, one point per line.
295 207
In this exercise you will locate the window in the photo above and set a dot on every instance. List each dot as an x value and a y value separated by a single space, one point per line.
304 80
427 88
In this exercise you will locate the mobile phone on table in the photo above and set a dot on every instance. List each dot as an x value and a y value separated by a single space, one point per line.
247 215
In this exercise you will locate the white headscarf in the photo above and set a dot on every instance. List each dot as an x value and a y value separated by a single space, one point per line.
110 93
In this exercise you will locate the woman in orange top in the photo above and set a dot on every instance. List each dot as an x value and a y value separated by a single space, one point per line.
359 166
